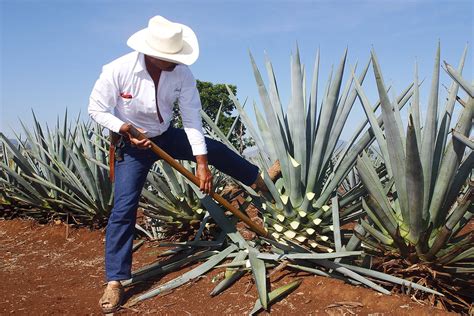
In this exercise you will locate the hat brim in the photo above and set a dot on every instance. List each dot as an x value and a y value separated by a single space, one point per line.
187 55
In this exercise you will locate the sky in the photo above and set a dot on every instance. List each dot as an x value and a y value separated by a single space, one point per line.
52 51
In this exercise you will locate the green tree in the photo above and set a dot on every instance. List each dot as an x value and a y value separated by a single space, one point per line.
212 96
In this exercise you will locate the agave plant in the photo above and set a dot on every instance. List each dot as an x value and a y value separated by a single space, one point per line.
57 172
419 208
170 202
305 142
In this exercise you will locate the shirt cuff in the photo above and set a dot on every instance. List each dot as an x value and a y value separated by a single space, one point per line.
115 125
199 149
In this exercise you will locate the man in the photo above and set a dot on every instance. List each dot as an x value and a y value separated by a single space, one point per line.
140 89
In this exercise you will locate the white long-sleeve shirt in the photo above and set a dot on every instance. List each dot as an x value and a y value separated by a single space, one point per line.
125 93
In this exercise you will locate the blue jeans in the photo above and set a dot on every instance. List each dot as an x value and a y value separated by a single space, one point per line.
130 176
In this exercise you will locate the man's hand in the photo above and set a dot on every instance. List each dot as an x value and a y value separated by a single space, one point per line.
141 144
204 174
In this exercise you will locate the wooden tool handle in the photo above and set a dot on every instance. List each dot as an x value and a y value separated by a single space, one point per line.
185 172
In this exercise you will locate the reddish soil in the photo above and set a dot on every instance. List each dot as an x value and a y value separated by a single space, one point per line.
43 272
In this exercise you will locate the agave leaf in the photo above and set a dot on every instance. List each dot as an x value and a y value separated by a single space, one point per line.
234 124
344 96
313 110
456 76
160 268
414 184
193 243
445 233
272 120
460 210
354 241
224 223
241 255
88 150
390 278
398 120
376 233
266 133
28 187
160 204
323 101
335 222
39 142
373 217
217 130
14 192
99 143
351 274
392 134
373 124
296 188
172 177
219 111
324 126
155 180
341 117
446 121
308 256
143 230
271 187
248 123
227 282
452 251
21 161
429 135
85 173
336 109
371 181
310 270
186 277
463 139
464 171
234 264
452 159
296 116
467 254
260 277
274 96
202 226
178 257
415 107
355 135
276 294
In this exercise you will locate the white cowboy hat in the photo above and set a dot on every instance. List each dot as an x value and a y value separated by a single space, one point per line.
166 40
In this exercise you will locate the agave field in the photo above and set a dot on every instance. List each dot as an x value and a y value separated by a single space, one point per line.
388 208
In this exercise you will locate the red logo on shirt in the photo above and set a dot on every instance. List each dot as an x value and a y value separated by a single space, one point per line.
126 95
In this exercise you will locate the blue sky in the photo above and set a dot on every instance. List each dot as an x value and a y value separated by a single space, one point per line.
52 51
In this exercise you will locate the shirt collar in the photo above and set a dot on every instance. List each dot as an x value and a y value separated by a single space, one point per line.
140 63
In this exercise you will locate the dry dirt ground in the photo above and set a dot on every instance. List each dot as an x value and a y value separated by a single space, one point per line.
43 272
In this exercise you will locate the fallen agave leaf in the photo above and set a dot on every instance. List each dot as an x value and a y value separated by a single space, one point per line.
276 294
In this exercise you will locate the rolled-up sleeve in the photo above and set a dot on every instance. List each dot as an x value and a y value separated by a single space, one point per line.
103 100
190 106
